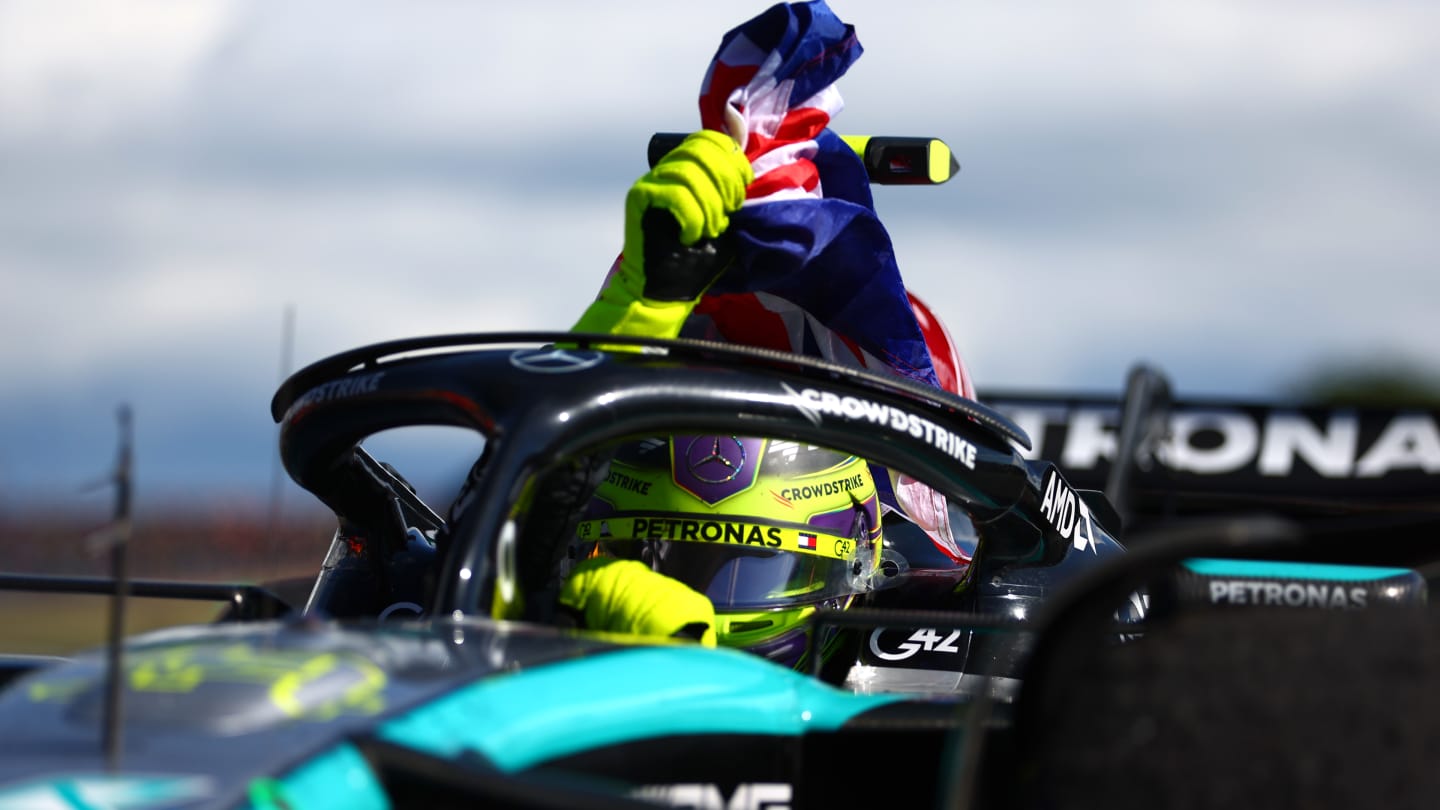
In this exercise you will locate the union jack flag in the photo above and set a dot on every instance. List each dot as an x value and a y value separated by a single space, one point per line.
815 272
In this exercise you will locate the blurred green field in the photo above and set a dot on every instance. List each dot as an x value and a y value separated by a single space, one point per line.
56 624
227 545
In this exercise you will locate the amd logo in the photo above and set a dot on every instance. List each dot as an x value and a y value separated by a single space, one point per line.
1067 512
1218 441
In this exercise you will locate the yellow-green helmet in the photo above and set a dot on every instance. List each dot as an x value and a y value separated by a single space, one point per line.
768 529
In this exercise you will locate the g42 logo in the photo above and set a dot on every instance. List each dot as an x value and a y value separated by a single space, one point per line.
926 638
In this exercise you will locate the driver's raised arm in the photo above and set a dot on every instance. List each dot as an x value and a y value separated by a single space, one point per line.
674 216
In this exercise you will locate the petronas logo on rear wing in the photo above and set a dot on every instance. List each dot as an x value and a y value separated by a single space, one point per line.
1260 449
1218 441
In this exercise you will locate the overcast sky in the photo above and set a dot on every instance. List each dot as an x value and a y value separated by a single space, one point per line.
1235 190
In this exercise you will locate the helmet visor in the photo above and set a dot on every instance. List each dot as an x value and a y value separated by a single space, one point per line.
743 576
738 563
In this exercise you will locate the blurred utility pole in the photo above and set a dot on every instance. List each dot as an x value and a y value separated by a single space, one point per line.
275 513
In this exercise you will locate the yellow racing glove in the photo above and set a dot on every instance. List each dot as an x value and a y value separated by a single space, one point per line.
625 596
674 216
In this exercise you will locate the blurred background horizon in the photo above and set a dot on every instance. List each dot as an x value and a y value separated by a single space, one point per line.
1243 194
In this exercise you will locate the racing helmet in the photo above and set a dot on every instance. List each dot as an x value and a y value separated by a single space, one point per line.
768 529
950 370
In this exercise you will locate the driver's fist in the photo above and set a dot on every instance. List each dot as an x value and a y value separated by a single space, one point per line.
674 216
625 596
699 183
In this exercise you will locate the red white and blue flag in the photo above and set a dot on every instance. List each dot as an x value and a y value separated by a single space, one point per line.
807 541
815 272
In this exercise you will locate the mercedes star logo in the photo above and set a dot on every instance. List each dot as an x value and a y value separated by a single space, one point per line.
554 360
715 459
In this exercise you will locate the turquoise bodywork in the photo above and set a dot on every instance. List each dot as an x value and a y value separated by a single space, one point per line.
525 718
337 780
1291 570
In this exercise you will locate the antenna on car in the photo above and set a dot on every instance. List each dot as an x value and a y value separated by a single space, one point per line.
116 539
1144 422
273 514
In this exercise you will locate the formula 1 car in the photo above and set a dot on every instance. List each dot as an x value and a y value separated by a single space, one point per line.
412 688
425 669
424 665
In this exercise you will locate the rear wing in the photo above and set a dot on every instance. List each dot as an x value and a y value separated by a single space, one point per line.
1369 475
1237 450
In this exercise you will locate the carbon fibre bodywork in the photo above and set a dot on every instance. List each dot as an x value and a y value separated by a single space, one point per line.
469 696
583 397
334 707
214 709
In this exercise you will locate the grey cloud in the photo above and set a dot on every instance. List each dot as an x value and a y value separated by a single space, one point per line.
1207 197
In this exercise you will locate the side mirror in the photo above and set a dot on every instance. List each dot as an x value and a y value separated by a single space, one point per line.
890 161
